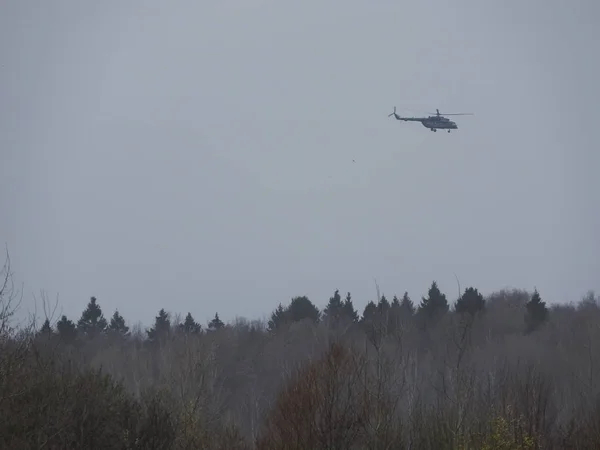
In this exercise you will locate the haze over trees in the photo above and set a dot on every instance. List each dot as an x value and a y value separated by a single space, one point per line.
502 370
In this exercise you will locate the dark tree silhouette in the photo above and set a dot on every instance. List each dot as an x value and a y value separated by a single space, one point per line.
161 328
278 318
46 329
407 306
216 323
302 308
349 310
369 312
434 305
66 330
340 312
117 324
537 312
471 302
92 321
334 309
189 325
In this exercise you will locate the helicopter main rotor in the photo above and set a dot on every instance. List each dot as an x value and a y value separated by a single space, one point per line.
437 113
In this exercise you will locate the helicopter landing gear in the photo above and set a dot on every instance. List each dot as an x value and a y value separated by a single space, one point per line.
434 130
448 131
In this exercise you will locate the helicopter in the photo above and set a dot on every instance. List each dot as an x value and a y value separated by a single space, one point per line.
433 122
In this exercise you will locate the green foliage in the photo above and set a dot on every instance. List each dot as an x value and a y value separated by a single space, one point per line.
503 435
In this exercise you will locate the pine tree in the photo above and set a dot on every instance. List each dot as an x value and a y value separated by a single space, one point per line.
161 328
400 313
537 312
301 308
92 321
407 306
278 318
117 324
383 306
369 312
46 328
334 310
66 330
216 323
189 325
471 302
340 312
349 310
434 305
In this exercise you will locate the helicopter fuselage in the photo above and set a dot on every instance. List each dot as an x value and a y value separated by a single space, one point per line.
434 123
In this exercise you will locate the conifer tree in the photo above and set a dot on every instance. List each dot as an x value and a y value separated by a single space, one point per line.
333 310
301 308
189 325
278 318
434 305
333 313
471 302
117 324
92 321
369 313
66 330
407 306
537 312
340 312
349 310
383 306
46 328
216 323
161 328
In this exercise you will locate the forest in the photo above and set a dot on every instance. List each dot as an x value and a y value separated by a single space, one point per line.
426 370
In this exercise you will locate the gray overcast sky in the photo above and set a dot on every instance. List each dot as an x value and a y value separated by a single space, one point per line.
197 156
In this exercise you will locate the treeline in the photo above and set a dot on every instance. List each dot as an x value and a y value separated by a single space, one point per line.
500 371
391 315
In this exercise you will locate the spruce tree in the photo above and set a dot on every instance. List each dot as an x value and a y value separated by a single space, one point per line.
92 321
161 328
434 305
117 324
216 323
334 310
471 302
278 318
66 330
407 306
349 310
301 308
189 325
46 328
536 314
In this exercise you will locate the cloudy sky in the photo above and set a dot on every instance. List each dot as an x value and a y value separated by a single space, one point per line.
226 155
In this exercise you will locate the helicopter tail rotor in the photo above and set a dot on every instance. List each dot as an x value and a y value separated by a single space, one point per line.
392 114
